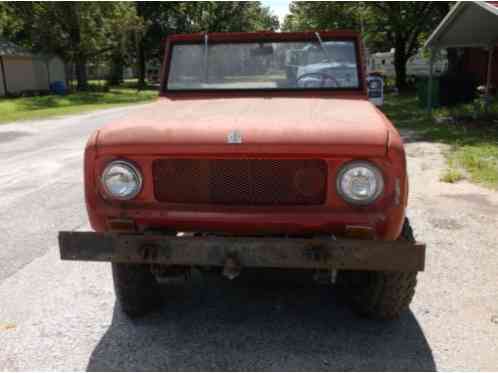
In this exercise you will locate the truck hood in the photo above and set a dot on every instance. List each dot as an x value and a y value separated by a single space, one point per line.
262 124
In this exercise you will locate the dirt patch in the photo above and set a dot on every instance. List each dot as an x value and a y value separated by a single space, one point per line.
445 224
478 200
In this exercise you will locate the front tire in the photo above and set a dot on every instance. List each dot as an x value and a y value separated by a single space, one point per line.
380 294
137 290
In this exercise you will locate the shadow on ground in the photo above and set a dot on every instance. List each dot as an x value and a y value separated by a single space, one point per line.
11 136
259 323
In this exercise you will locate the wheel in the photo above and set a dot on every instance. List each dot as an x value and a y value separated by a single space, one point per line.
136 288
380 295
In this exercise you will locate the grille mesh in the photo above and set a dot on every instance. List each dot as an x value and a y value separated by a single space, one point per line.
240 181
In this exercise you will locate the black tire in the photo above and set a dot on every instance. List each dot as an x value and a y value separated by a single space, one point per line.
380 295
137 290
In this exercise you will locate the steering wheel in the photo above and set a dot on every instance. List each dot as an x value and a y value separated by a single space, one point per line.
322 76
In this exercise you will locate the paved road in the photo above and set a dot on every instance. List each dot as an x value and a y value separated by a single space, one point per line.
56 315
41 188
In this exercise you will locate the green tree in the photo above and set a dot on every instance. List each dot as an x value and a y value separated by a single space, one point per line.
405 25
121 32
78 31
164 18
385 24
322 15
10 25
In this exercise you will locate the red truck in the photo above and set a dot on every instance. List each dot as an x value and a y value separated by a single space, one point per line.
248 161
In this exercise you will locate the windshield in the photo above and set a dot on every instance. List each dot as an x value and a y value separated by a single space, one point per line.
269 65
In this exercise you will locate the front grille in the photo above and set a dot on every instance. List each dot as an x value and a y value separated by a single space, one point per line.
240 181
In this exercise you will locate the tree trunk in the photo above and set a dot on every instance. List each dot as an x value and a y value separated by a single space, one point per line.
400 60
116 76
80 59
141 62
81 75
140 7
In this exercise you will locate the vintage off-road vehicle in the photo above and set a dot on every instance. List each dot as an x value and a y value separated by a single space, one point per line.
240 164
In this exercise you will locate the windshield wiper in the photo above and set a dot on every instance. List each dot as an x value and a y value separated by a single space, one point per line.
205 65
317 34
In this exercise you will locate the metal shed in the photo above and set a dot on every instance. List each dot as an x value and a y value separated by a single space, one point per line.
469 24
22 71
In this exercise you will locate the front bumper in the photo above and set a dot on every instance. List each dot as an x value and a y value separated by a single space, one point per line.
263 252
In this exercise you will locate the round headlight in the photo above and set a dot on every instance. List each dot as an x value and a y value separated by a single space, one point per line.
121 180
360 182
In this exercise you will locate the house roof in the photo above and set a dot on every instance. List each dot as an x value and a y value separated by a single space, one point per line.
8 48
468 24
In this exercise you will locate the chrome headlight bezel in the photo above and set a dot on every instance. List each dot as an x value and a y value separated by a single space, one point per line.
379 186
137 175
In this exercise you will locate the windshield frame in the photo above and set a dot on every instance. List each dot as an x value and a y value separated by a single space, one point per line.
262 37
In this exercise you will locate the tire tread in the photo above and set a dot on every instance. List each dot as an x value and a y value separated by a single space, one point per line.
381 295
136 288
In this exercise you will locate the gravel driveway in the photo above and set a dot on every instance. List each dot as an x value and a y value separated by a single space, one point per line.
56 315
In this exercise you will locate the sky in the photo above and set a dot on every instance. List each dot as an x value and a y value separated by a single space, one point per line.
279 7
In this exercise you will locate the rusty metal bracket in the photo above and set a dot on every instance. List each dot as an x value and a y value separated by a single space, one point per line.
313 253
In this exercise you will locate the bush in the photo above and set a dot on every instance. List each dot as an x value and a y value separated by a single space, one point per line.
452 175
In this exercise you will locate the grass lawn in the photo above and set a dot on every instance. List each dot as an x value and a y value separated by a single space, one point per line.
39 107
473 144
